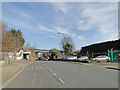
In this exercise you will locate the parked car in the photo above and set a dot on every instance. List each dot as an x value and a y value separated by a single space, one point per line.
69 57
83 58
72 58
41 58
100 58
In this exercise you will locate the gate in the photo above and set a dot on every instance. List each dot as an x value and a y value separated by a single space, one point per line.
114 55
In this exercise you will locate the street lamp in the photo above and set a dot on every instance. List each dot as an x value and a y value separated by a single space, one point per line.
119 34
61 33
63 37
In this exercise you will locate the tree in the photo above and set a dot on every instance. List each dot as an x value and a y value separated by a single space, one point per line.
67 45
58 53
19 37
12 40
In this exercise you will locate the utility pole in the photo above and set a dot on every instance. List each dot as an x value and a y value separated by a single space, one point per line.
118 34
63 37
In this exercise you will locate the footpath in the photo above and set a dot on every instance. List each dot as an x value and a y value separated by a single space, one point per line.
108 65
11 69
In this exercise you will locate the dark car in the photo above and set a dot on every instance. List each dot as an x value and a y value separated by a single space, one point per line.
41 58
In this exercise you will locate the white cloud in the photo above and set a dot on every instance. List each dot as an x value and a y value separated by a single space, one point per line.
45 29
81 22
61 30
80 37
102 17
18 11
60 6
54 29
51 36
99 16
73 35
24 14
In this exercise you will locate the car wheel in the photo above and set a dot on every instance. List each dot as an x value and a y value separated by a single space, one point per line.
98 61
89 62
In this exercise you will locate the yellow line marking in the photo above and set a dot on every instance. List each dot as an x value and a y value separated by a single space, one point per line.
61 80
54 74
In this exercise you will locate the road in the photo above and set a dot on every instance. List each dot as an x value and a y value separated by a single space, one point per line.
57 74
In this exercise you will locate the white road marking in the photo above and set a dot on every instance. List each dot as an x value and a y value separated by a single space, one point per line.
32 68
40 68
54 74
61 80
50 70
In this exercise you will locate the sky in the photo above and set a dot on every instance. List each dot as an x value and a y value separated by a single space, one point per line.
85 22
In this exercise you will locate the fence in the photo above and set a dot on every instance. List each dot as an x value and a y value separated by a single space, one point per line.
8 57
114 55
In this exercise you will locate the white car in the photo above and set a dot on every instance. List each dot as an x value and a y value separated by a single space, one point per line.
71 57
99 58
83 58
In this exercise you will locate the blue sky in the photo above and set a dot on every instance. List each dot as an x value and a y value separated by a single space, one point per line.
86 23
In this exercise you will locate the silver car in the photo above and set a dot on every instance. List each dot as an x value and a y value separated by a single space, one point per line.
100 58
83 58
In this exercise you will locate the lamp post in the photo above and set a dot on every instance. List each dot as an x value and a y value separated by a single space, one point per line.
62 34
119 34
63 37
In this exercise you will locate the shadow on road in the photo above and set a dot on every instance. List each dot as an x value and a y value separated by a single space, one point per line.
69 60
113 68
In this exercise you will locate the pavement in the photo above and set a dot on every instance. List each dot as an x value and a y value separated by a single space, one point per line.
102 64
57 74
107 65
11 69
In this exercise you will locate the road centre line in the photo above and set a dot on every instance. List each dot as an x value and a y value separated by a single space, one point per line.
32 68
50 70
54 74
61 80
57 77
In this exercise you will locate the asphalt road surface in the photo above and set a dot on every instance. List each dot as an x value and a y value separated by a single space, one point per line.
57 74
